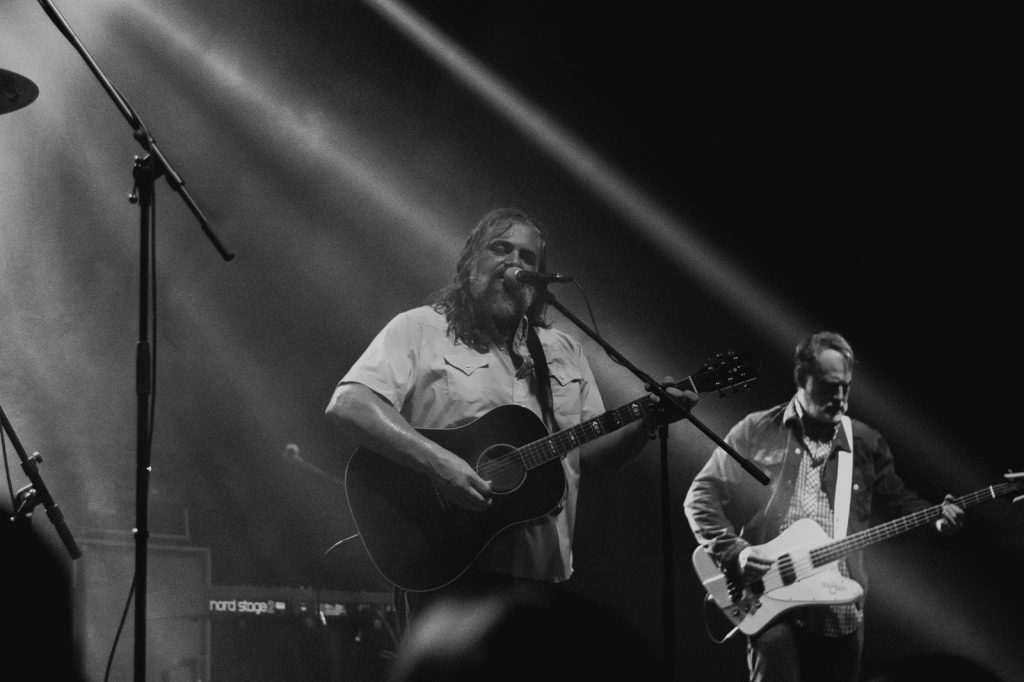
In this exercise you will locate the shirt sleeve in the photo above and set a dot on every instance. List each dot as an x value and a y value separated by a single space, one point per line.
892 497
388 364
710 499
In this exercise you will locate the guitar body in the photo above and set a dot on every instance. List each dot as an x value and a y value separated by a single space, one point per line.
791 582
416 540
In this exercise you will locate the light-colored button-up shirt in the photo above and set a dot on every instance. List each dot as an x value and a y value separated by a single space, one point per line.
435 383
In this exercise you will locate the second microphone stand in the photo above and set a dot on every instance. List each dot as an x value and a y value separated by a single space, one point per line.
663 415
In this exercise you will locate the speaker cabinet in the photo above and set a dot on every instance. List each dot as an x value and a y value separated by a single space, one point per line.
177 629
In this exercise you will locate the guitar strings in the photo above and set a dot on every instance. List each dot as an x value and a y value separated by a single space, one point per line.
534 454
731 372
834 550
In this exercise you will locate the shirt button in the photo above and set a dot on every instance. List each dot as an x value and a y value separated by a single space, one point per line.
797 451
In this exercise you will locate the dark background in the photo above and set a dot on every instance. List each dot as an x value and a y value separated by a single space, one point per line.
730 176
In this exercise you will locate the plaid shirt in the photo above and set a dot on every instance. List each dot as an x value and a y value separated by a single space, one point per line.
810 501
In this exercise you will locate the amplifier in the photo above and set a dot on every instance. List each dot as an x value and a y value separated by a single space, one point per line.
177 636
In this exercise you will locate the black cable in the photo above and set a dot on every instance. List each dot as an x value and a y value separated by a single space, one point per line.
321 616
120 629
153 317
7 468
593 320
317 574
707 625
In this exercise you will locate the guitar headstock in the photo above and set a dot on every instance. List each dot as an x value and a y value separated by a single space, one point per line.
725 372
1015 477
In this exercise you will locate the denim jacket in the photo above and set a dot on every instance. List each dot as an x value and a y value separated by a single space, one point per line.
728 509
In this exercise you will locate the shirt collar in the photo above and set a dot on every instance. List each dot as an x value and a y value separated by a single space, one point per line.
793 414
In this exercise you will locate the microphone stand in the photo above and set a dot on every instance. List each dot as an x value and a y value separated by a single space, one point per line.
36 492
668 562
145 172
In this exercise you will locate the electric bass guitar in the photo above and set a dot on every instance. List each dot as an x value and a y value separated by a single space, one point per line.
419 542
806 570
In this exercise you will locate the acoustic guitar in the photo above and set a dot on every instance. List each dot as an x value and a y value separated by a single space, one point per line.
419 542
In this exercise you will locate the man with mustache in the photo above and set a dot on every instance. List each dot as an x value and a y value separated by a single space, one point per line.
481 344
798 443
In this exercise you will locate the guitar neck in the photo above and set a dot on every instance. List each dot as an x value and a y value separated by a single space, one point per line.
725 371
559 444
835 550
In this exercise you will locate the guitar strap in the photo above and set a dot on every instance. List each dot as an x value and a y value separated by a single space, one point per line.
844 483
542 376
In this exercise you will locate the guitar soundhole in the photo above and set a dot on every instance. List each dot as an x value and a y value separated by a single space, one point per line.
503 467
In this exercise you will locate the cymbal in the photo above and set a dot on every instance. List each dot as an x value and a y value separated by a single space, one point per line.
15 91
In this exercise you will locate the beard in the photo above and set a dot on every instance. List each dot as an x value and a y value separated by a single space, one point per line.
830 413
502 304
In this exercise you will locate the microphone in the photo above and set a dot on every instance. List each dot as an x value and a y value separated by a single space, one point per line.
520 276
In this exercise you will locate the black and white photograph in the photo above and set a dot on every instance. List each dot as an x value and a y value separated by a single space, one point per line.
407 340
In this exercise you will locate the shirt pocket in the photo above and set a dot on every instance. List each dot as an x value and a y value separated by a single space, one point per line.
566 391
467 380
860 495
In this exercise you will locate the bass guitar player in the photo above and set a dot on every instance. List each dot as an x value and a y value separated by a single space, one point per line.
831 475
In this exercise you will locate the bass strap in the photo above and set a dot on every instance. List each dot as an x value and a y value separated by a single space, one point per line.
844 482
